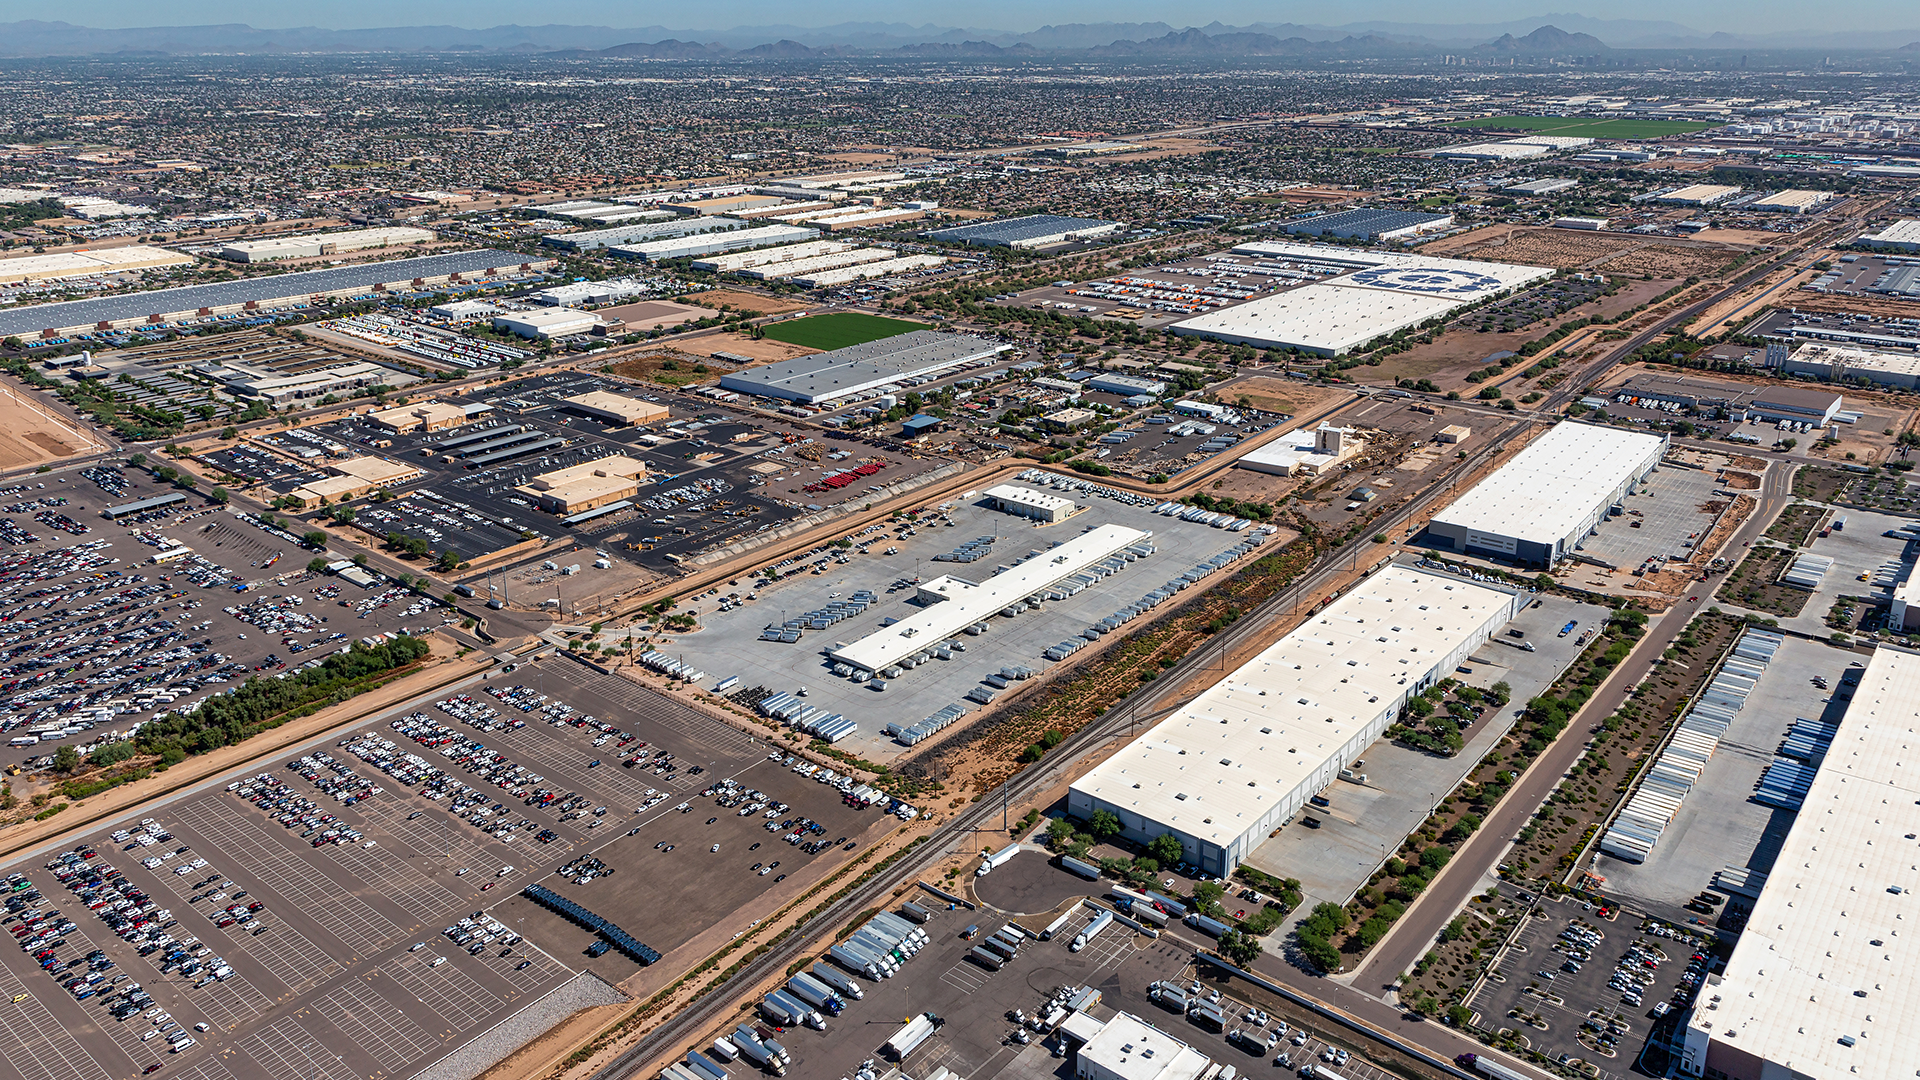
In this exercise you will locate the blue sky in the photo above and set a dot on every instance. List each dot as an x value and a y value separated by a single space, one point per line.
1757 16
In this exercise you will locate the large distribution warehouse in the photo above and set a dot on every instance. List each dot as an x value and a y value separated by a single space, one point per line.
1032 231
1537 508
1239 760
45 321
844 372
314 245
954 604
1825 980
1380 292
709 243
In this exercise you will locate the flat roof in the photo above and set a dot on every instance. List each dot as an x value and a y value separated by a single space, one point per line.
1129 1048
1869 359
144 504
374 470
629 410
589 479
1829 952
1369 221
264 290
55 265
1545 491
1321 317
1215 768
869 365
1027 496
1015 230
968 603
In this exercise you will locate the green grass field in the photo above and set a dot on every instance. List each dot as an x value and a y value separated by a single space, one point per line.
839 330
1587 127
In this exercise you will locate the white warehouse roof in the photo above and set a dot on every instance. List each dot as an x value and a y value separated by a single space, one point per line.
1825 980
1217 767
868 366
968 603
1547 489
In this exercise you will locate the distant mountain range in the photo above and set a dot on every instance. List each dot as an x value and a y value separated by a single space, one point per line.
1547 35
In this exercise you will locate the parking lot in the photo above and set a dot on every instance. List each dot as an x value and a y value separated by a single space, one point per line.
1155 296
97 636
1719 824
1589 985
991 1017
715 477
310 914
1663 520
888 561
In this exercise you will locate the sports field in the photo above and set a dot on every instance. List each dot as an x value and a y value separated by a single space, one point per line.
1586 127
839 330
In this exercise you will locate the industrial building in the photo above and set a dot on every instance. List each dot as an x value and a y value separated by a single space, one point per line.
1903 614
616 408
825 260
1381 292
1738 400
856 369
866 217
61 265
1494 151
1246 754
1834 363
1068 419
1125 385
586 486
1699 195
1029 503
353 478
1592 224
1128 1048
597 239
578 293
825 279
549 322
1302 452
1541 187
38 322
1033 231
740 261
953 605
314 245
600 213
427 416
708 243
1792 202
1540 505
280 388
1902 235
1824 981
1371 224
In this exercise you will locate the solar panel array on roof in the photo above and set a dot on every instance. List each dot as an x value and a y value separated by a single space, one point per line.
276 288
1015 230
1367 222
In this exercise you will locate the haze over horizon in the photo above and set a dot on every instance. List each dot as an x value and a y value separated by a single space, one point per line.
1704 17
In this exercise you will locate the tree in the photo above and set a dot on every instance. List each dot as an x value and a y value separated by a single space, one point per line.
1788 444
66 759
1239 949
316 566
1060 833
344 514
1166 848
314 538
1104 824
219 495
1206 897
449 560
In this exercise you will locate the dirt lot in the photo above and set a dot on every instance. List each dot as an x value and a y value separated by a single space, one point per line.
1577 249
670 367
650 314
1281 395
723 341
744 301
36 435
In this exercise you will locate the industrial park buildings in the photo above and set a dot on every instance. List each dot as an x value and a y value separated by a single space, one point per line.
1237 761
40 322
1381 292
1824 981
62 265
586 486
867 367
314 245
1033 231
1540 505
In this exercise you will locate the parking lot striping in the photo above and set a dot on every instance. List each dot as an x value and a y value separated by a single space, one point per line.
965 976
446 989
289 956
233 1002
210 1069
33 1034
288 1050
416 893
662 710
393 1038
430 835
350 919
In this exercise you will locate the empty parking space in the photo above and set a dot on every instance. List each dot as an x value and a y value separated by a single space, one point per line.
285 1048
365 1018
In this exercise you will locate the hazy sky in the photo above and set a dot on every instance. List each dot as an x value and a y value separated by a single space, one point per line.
1757 16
